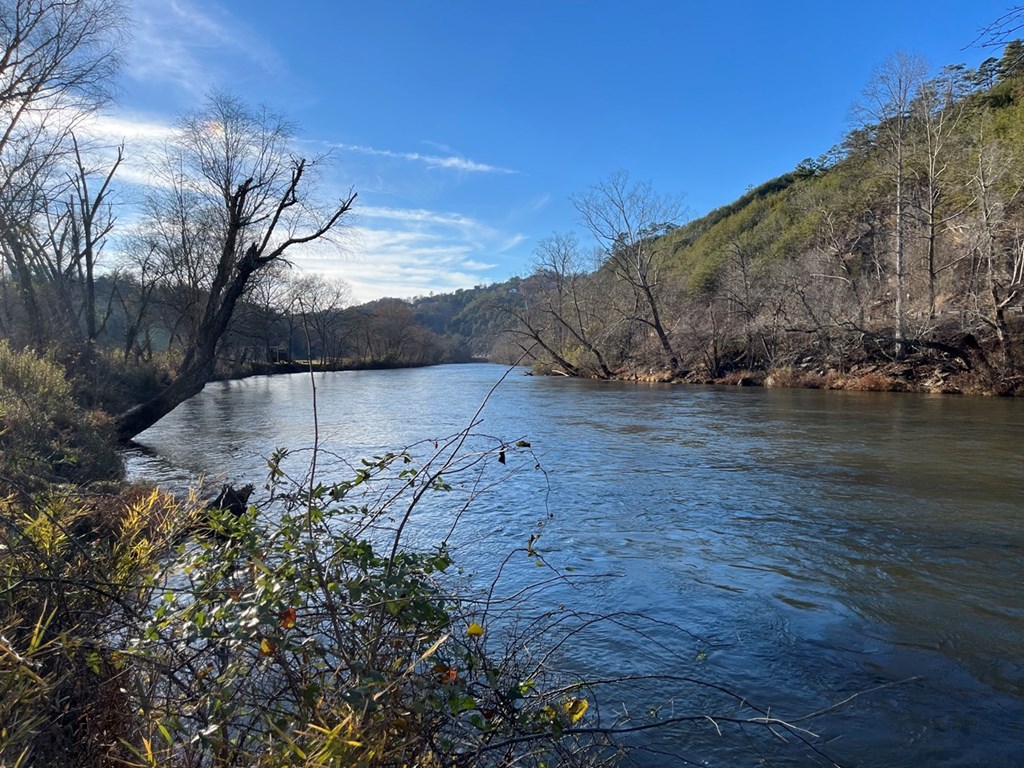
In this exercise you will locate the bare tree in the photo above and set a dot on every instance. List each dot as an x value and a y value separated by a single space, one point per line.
738 287
885 111
626 218
241 202
1001 258
568 300
1003 29
135 282
319 301
263 319
389 334
530 333
939 108
77 229
58 59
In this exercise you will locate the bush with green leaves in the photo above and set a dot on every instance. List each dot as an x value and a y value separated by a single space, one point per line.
307 633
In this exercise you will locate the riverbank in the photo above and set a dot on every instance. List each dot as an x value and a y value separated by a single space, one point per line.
891 377
933 369
938 369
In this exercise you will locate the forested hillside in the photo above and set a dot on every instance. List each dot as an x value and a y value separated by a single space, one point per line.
893 261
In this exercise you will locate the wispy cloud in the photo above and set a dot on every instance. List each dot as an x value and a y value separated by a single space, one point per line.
539 203
126 127
511 242
192 46
406 253
143 138
449 162
417 216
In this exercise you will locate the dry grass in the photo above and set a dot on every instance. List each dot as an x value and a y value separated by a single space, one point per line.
866 382
76 569
792 378
873 381
745 378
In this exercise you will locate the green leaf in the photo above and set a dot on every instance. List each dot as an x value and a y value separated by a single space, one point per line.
461 702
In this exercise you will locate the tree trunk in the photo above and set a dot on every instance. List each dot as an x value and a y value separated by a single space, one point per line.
900 324
931 263
198 364
659 328
140 418
1003 334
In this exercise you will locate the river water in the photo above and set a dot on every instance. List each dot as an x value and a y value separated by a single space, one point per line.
797 547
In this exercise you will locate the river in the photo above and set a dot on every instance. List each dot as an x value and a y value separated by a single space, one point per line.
799 547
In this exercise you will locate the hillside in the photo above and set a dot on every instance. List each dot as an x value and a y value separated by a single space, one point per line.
894 261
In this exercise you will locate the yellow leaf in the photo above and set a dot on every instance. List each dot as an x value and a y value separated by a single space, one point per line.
575 709
266 647
475 630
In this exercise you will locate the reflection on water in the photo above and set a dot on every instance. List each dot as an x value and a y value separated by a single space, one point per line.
820 543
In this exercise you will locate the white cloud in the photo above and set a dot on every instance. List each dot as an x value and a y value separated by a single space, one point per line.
540 203
416 215
510 243
391 261
449 162
119 127
405 242
143 137
384 251
409 250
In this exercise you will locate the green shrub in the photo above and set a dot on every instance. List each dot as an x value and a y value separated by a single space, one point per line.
311 636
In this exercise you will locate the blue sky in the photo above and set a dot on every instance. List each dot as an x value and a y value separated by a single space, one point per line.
465 126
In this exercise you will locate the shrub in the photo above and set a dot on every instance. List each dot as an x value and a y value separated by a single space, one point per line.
865 382
744 378
793 378
309 634
44 435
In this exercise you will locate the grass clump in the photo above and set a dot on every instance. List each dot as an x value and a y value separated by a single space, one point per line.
45 436
77 569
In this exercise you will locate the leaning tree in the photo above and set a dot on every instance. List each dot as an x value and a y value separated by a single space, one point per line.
231 200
